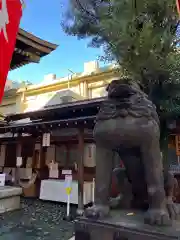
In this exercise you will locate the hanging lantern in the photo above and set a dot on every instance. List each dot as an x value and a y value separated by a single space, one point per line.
10 15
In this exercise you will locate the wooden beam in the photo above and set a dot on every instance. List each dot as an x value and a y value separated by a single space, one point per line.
88 120
80 209
35 39
22 52
29 56
44 50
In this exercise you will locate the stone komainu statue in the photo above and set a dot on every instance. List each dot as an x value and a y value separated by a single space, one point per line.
128 123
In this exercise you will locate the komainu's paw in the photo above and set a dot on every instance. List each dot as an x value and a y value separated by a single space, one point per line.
157 217
173 209
97 212
115 202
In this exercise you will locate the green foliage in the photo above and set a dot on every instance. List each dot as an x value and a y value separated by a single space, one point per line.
142 36
129 30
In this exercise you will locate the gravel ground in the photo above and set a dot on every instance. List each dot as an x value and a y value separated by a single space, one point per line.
37 220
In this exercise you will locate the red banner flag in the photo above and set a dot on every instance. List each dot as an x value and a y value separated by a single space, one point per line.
10 15
178 6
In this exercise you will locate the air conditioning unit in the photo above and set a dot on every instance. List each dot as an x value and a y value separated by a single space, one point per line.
89 155
91 67
50 77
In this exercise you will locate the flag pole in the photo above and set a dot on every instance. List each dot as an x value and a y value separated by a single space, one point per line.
178 6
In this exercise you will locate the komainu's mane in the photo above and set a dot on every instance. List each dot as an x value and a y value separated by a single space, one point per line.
125 99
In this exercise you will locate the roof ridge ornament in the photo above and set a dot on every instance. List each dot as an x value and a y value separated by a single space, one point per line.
4 19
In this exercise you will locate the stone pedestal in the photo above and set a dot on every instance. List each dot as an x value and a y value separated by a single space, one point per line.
9 198
124 226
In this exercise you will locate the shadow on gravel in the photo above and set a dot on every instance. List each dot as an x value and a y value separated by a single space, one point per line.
36 220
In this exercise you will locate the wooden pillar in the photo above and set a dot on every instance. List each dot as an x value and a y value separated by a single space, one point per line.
2 155
17 169
39 156
80 172
67 158
42 157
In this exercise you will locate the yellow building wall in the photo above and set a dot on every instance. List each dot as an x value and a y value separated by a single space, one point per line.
12 104
35 97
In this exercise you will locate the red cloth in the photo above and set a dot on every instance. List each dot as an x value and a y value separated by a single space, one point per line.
10 10
114 188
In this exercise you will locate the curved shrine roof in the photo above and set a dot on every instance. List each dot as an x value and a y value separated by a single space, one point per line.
29 49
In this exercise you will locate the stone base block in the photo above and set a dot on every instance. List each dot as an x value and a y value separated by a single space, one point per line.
9 198
9 204
124 226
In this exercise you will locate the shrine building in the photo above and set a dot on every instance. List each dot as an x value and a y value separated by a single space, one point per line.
49 126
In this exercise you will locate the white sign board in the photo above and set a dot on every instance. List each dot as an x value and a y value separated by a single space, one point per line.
2 179
53 173
18 161
46 140
174 168
66 172
68 181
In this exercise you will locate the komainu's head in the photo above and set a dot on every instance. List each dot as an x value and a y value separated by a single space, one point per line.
123 88
130 96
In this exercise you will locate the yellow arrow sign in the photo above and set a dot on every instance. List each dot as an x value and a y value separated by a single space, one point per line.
68 190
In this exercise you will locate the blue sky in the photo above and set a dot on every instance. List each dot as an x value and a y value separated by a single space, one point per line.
43 19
